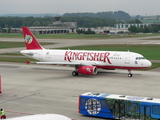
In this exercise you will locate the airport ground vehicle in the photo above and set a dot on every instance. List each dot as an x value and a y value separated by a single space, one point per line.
119 106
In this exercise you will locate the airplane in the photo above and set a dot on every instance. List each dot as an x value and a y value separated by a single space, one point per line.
86 62
41 117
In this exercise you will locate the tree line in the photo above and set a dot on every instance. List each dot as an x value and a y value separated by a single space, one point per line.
82 21
117 15
146 29
90 22
16 22
99 19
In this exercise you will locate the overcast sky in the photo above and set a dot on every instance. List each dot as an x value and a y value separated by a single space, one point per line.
133 7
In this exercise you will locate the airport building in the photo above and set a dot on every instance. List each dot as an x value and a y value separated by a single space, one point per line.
107 30
119 28
56 27
59 27
126 26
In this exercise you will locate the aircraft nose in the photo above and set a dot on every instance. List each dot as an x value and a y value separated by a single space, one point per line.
149 64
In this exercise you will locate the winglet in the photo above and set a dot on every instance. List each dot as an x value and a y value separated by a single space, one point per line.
30 40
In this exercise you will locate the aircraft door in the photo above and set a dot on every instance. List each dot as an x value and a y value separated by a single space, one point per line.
127 58
145 112
40 56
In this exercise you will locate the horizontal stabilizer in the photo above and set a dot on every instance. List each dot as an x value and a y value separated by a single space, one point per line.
25 52
28 62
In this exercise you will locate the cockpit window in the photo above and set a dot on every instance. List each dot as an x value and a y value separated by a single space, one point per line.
140 58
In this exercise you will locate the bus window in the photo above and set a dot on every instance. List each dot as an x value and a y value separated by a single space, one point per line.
156 109
103 104
131 108
83 101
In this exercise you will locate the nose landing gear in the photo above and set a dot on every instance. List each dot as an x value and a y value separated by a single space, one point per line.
129 74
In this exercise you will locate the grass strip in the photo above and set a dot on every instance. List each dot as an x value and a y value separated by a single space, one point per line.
14 59
4 44
77 36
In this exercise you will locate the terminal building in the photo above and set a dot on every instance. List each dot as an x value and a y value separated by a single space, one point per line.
56 27
126 26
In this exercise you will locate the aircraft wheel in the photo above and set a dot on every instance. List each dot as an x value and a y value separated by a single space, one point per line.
74 73
129 75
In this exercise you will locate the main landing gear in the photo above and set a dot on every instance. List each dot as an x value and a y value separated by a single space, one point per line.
129 74
74 73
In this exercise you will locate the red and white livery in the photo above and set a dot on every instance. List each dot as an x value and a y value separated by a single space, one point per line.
85 62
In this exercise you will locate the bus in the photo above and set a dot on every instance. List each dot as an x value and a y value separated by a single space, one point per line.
122 107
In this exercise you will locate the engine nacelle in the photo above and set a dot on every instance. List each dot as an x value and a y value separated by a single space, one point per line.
87 70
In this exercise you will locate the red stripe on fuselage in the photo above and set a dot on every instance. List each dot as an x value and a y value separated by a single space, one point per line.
120 67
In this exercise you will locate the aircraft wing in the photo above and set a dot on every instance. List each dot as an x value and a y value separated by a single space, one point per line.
67 63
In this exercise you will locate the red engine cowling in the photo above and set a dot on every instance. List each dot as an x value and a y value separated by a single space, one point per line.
87 70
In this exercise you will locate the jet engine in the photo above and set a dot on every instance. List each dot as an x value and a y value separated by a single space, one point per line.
87 70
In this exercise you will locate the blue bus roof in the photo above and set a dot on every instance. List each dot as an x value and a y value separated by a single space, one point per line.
123 97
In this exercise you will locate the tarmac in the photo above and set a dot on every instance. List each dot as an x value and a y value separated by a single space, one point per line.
39 89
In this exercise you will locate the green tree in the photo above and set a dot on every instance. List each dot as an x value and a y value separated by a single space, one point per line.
134 21
36 23
9 30
146 30
156 29
117 15
133 29
78 31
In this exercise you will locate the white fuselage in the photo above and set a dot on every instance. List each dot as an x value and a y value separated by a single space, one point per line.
100 59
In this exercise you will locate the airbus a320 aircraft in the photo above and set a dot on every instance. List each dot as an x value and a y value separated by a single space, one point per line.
85 62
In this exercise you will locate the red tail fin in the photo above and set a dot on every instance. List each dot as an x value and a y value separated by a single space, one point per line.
30 40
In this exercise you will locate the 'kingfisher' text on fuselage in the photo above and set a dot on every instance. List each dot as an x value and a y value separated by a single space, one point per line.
89 56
